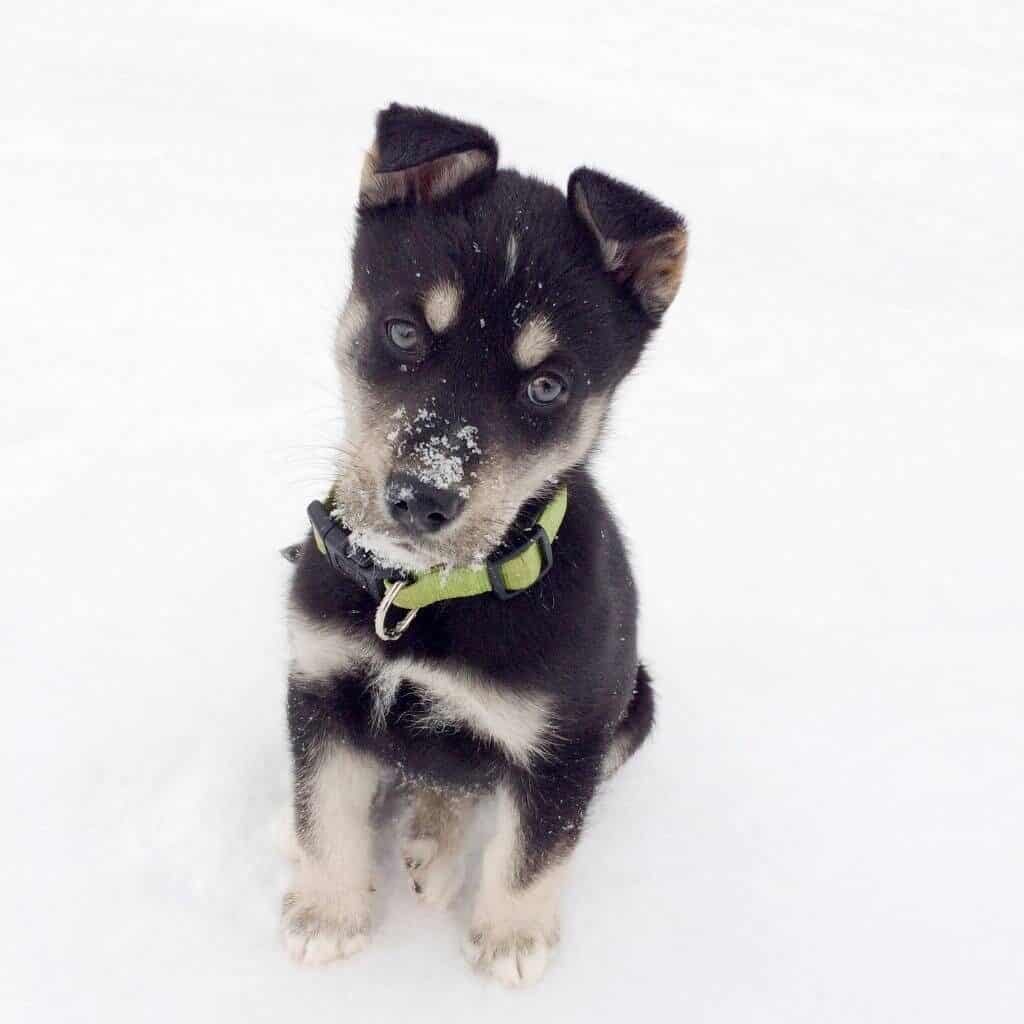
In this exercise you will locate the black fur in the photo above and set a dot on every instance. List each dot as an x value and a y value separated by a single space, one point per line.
571 637
411 136
619 210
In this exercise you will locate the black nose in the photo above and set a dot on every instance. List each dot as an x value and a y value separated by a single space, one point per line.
421 506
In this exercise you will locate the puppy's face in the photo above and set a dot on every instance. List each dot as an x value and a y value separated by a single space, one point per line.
489 323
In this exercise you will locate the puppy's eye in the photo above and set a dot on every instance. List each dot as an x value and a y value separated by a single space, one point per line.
546 388
403 334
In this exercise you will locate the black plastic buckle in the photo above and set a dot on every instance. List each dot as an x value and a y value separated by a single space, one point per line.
346 557
547 559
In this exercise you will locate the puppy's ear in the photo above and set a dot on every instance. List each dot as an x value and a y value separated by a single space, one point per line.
421 156
642 242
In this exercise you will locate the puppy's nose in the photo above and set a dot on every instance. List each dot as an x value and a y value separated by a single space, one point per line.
421 506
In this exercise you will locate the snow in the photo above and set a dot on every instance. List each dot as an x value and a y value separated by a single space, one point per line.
437 459
437 465
818 465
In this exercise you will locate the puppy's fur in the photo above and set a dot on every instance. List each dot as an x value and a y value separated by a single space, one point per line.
503 279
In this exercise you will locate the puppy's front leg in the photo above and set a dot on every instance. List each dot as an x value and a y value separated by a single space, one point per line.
515 921
326 913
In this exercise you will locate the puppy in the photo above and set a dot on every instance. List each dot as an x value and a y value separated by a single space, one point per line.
462 612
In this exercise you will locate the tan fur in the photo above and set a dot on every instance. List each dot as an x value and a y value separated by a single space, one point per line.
534 343
441 306
326 913
432 846
514 927
352 321
320 650
652 266
520 723
655 268
432 180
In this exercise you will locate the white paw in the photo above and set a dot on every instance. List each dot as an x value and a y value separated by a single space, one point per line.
436 874
513 956
319 931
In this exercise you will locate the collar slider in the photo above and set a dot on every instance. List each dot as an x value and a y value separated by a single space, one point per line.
547 559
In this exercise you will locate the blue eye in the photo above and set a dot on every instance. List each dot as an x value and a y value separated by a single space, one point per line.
546 388
403 334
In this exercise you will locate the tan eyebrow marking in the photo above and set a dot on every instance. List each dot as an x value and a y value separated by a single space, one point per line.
534 343
441 305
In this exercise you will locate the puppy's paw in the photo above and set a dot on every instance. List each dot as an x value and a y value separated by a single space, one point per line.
514 956
436 873
319 931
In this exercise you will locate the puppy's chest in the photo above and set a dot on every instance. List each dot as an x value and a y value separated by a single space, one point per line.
423 697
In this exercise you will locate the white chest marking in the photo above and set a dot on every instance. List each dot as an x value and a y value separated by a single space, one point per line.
520 723
321 650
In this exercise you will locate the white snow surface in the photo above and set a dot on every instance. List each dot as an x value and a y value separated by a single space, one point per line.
818 466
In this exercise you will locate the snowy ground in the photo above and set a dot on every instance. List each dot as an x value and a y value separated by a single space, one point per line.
819 466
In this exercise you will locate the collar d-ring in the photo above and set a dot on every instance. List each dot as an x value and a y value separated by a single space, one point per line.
380 619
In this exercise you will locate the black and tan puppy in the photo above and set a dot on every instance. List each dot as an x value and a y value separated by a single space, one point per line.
463 612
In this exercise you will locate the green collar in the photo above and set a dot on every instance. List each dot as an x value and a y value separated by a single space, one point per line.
506 576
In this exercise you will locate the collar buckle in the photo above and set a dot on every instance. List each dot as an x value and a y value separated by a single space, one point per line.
536 534
333 541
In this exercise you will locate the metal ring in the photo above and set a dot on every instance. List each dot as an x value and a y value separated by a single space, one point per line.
379 620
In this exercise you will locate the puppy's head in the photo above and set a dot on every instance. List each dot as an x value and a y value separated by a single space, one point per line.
489 322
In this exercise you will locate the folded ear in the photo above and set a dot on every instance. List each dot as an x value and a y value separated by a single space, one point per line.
421 156
642 242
